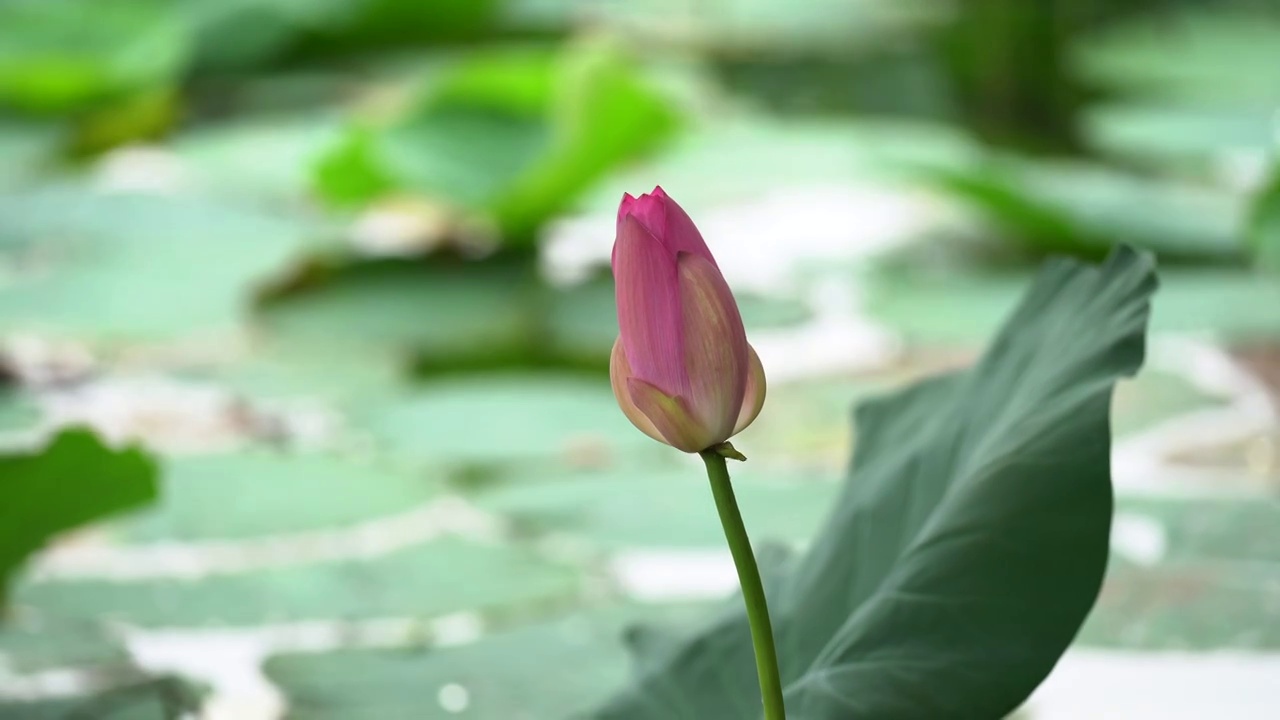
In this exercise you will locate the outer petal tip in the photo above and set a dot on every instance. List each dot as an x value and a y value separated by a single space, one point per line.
624 206
650 209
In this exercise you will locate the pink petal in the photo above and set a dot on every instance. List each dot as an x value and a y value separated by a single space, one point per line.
619 374
665 220
753 396
671 416
624 207
648 297
716 355
679 233
648 209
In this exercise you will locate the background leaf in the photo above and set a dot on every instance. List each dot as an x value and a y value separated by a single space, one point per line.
63 55
1265 225
1085 210
516 134
71 481
79 250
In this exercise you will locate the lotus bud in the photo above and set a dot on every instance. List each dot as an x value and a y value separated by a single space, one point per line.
681 368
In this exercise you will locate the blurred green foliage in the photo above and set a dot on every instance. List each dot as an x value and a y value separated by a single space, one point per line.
65 55
1265 228
350 203
519 134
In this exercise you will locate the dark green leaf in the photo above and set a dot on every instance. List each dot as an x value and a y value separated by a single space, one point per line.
973 532
71 481
340 26
428 578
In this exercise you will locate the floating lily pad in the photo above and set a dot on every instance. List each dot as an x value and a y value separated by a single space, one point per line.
1192 136
281 370
1085 210
501 418
1224 55
1226 530
1204 577
544 671
32 642
661 508
256 159
443 309
135 266
965 306
428 579
1187 605
25 149
259 493
137 699
18 410
726 163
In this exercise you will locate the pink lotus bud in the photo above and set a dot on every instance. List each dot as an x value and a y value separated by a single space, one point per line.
681 368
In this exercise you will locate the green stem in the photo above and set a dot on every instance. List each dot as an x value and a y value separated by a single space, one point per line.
749 579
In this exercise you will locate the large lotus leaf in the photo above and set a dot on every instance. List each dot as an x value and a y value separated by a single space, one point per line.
969 543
